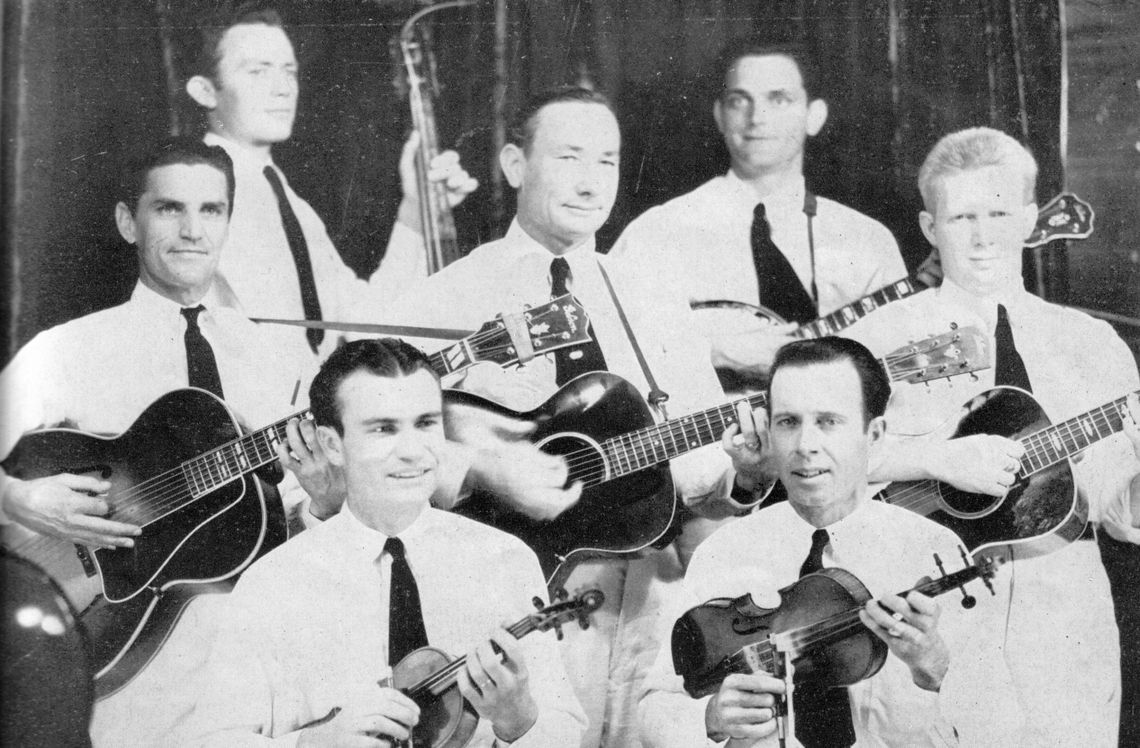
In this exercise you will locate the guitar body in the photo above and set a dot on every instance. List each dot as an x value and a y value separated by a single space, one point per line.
1038 515
196 542
613 517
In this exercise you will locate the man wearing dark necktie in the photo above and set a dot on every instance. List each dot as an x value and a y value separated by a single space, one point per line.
1062 640
318 627
280 261
825 404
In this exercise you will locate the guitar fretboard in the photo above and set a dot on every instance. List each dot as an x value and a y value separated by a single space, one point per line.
846 316
1063 440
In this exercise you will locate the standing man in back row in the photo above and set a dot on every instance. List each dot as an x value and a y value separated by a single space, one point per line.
757 234
281 262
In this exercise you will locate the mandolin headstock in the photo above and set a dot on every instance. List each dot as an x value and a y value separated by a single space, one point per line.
1064 217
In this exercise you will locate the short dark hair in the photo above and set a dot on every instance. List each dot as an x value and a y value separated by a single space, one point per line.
201 45
384 357
873 380
172 150
751 47
521 130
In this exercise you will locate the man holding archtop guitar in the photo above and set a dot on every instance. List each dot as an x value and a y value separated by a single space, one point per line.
1061 637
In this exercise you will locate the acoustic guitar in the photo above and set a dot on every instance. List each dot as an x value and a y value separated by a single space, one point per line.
628 502
1042 511
1066 216
183 471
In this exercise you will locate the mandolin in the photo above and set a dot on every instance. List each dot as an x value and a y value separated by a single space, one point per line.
183 471
1042 511
1066 216
816 628
628 502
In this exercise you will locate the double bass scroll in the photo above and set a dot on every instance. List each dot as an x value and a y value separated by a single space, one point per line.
440 239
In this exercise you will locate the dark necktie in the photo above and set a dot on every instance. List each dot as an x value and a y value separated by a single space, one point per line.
823 715
406 631
780 287
300 250
1009 368
571 362
200 362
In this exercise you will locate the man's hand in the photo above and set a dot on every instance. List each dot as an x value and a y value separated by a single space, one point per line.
379 713
746 442
444 168
71 507
982 463
910 629
752 351
323 481
744 707
526 478
497 685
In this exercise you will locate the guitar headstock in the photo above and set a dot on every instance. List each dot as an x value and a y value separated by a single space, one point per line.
558 323
960 351
577 608
1064 217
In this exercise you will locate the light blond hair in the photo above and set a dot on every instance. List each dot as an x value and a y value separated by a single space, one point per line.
976 148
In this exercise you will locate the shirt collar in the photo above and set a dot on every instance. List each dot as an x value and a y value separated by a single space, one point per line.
526 250
154 306
1014 299
366 542
245 159
789 199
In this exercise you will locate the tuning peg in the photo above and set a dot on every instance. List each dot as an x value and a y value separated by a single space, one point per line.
968 600
989 562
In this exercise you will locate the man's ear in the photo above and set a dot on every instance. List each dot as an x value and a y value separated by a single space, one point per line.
816 116
876 430
332 444
1030 217
125 221
718 115
201 90
512 160
926 223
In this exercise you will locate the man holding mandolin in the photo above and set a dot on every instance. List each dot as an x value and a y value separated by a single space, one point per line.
826 399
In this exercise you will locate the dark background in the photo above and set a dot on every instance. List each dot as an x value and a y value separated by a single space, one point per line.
86 80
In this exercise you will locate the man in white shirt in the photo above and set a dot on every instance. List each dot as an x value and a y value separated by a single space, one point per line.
313 627
1061 639
563 159
244 76
942 681
99 372
700 245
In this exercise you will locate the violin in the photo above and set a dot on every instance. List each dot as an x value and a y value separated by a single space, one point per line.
816 628
428 676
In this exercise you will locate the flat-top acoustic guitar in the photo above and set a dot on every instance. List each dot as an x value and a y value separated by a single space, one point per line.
184 471
606 432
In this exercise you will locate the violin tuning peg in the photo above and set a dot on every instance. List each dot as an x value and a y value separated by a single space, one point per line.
583 621
558 631
536 601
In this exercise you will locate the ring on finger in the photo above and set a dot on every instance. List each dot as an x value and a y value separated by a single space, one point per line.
894 631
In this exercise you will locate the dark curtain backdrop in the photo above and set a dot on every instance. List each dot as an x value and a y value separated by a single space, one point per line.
85 80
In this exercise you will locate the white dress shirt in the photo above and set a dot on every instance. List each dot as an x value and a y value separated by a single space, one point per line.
98 373
700 244
888 549
1062 639
513 272
308 624
259 275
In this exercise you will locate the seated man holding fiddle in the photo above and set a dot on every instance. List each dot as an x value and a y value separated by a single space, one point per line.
314 627
826 399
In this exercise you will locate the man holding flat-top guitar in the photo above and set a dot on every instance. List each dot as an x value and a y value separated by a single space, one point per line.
1007 484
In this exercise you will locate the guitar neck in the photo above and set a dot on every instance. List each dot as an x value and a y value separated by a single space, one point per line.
846 316
1055 443
638 450
232 460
